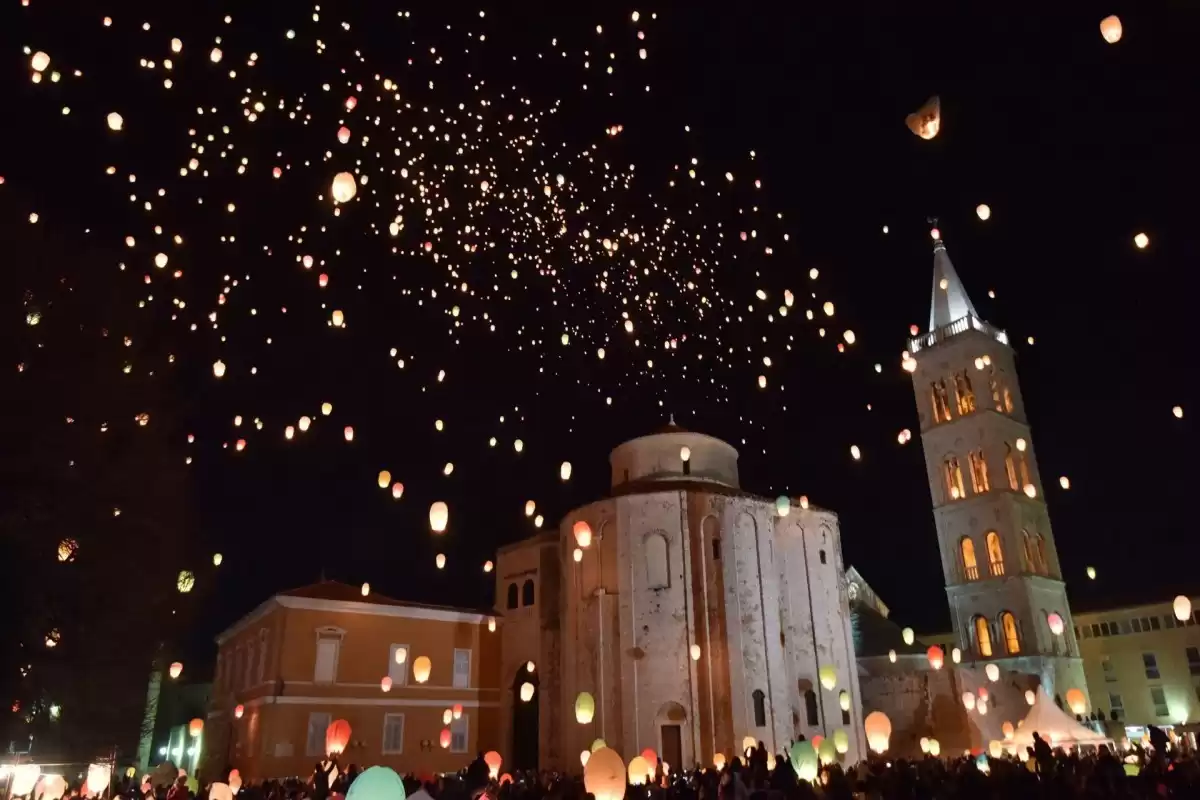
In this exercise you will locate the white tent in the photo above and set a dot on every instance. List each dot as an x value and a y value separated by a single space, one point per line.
1055 726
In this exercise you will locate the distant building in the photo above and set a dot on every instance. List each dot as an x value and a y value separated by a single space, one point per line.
698 615
307 657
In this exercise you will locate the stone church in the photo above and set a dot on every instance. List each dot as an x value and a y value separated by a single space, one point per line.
694 614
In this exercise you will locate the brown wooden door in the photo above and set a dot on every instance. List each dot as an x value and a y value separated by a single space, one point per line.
672 747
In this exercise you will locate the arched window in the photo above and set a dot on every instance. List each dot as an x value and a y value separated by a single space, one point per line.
1024 471
954 478
810 707
658 576
941 401
1008 624
1008 403
995 553
1041 550
760 708
970 566
512 596
983 637
995 387
527 593
1010 467
979 473
1031 556
963 393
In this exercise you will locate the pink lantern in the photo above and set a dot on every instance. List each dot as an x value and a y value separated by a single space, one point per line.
323 280
351 102
936 657
386 683
651 759
343 134
238 711
176 669
444 739
1055 622
457 711
493 761
337 736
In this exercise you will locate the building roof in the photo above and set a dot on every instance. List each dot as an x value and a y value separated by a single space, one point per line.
951 303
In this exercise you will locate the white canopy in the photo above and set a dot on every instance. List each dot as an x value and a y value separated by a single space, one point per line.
1055 726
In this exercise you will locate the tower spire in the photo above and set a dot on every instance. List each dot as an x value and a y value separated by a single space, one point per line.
949 301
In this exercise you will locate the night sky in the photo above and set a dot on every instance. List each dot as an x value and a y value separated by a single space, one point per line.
1075 144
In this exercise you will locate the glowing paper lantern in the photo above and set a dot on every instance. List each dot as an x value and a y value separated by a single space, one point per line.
304 423
366 589
926 121
993 672
67 549
841 741
115 121
1055 622
24 778
585 708
195 727
530 507
447 716
98 778
1110 29
185 582
344 187
584 755
983 211
577 555
748 743
422 666
783 505
719 760
39 62
384 478
526 692
493 761
826 750
235 781
1008 730
397 490
343 135
968 699
338 318
695 652
935 748
597 744
337 736
401 655
879 730
936 656
385 684
439 515
376 783
908 635
892 656
583 533
638 770
828 676
1076 701
457 710
1183 608
238 711
844 700
685 453
175 670
218 368
804 760
50 787
604 774
440 560
1091 573
220 791
955 655
564 471
651 758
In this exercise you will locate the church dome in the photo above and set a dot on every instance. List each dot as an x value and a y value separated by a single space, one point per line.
674 454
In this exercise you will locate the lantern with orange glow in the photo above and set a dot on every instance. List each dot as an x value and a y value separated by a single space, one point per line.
719 760
195 727
879 730
176 669
583 533
639 770
1055 622
444 739
1008 730
604 775
337 736
384 479
493 761
422 666
98 778
936 656
1183 608
439 515
1077 701
651 758
457 710
1111 29
926 121
385 683
238 711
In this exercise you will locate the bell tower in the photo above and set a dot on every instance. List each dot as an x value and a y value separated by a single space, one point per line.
1003 580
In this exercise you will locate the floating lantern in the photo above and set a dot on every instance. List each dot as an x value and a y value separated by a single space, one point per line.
983 211
826 751
927 120
936 656
351 102
604 774
439 515
526 692
564 471
337 736
695 652
935 748
218 368
585 708
924 743
879 730
1077 701
440 560
195 727
651 758
24 778
487 566
343 135
956 655
1008 730
491 624
597 744
401 655
366 589
783 505
115 121
685 453
1110 29
238 711
1030 696
493 761
639 769
530 666
995 749
67 549
1055 622
1064 482
1091 573
530 507
1177 411
344 187
218 559
421 668
719 761
584 755
993 672
892 656
908 636
1183 608
577 555
326 409
175 670
304 424
804 760
384 478
338 318
98 778
39 62
828 676
583 533
444 739
385 684
397 490
447 715
185 582
375 783
215 55
844 700
968 700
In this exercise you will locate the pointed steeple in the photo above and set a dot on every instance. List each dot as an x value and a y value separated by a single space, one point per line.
949 301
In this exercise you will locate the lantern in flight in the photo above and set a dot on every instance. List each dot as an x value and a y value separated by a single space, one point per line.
844 700
1030 696
583 533
238 711
993 672
564 471
585 708
1110 29
879 730
397 490
337 736
176 669
343 135
440 560
1055 622
98 778
385 684
439 515
1077 701
695 652
344 187
444 738
185 582
422 666
384 479
783 505
1183 608
493 761
828 676
526 692
908 635
638 770
604 775
195 727
968 700
926 121
936 656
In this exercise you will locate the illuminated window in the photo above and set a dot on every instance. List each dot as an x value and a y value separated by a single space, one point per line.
995 553
964 395
941 401
983 637
1010 467
970 566
1008 403
979 473
994 384
1031 555
1041 551
954 478
1012 642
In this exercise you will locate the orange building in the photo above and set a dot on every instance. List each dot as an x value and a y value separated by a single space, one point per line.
320 653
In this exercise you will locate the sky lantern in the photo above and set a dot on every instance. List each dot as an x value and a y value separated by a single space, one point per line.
447 716
956 655
351 102
39 61
995 749
175 670
908 635
1183 608
67 549
185 582
583 533
386 683
493 761
422 666
1008 730
366 589
804 760
879 730
892 656
585 708
638 771
457 710
337 736
926 121
936 656
651 758
384 478
344 187
993 672
844 700
215 55
526 692
176 46
238 711
783 505
584 755
1055 621
323 280
828 676
348 432
518 445
968 700
98 778
826 751
1077 701
1030 696
935 748
343 136
218 368
983 211
564 471
685 453
1110 29
719 760
218 559
195 727
439 515
488 566
491 624
115 121
604 774
695 652
1177 412
440 560
444 738
397 490
1142 241
338 317
530 507
304 423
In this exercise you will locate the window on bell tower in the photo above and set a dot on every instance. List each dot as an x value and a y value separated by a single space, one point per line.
979 473
1008 623
941 401
995 553
1041 547
1010 467
983 637
954 478
1031 556
970 566
964 395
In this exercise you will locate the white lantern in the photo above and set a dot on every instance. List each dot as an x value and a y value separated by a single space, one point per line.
968 700
344 187
564 471
983 211
908 635
685 453
530 507
439 516
526 692
955 655
892 656
694 650
783 505
1183 608
1110 29
440 561
1030 696
115 121
993 672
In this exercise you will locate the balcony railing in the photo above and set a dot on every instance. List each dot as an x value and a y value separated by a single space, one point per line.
972 573
960 325
997 568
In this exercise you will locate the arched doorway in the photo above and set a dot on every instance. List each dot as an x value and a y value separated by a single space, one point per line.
525 720
670 720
